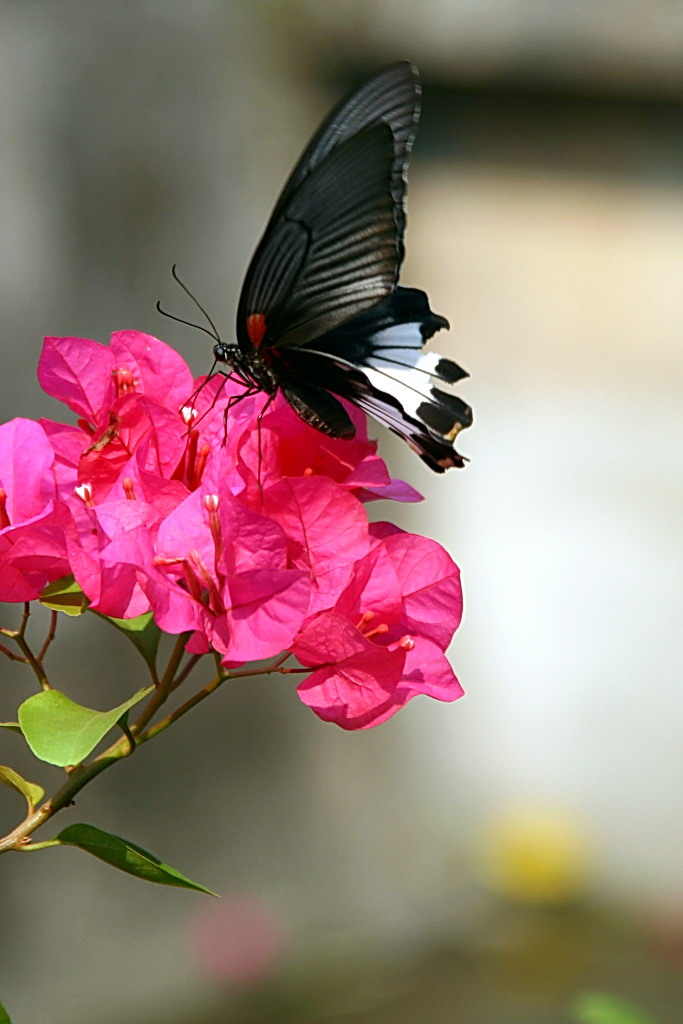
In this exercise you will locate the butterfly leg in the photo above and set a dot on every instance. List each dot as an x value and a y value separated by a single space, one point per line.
189 404
250 389
260 416
195 394
233 401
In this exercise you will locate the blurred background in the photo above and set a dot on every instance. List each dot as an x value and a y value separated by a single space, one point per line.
474 863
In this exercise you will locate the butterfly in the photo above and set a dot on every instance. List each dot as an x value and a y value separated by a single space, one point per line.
321 315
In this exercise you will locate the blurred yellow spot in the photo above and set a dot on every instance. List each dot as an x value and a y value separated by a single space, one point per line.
533 856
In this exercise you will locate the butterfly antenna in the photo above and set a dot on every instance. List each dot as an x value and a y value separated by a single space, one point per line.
213 333
188 323
174 272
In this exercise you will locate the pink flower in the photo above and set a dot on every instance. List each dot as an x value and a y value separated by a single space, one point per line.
219 571
128 398
384 641
289 448
232 521
111 583
32 547
88 377
326 530
78 372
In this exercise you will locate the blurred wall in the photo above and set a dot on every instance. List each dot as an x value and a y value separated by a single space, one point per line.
546 221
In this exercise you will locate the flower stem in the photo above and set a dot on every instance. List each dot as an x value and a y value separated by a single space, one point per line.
51 633
164 688
182 710
81 775
132 743
202 694
184 673
18 838
11 655
30 847
19 637
35 664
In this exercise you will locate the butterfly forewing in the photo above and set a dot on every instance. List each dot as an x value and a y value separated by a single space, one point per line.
334 254
392 97
334 243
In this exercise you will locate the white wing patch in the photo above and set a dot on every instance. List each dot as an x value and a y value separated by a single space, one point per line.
395 363
379 363
398 364
401 345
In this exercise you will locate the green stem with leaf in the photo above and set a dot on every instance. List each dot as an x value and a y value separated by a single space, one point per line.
140 731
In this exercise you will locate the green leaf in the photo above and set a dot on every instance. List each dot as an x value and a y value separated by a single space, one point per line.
15 727
4 1015
126 856
143 633
31 792
600 1008
64 595
63 733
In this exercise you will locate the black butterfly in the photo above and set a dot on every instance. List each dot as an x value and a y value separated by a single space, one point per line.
321 313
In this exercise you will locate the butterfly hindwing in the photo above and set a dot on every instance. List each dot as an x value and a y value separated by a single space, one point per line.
377 361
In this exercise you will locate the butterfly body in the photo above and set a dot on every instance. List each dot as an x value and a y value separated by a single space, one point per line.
321 315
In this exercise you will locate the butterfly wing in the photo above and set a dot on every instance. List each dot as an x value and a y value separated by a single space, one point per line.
392 96
377 361
334 243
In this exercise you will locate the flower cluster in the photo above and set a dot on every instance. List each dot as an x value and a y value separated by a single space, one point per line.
237 524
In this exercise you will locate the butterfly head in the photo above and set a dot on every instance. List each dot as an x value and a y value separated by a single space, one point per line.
224 353
245 368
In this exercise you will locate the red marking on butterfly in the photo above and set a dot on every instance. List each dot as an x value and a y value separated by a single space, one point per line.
256 328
